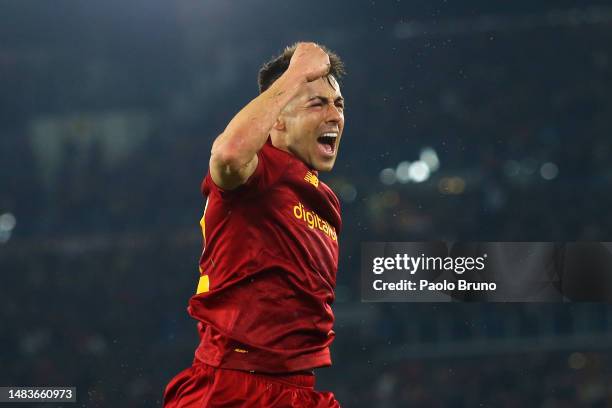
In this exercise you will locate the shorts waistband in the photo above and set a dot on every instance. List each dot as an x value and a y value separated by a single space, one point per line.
302 379
299 380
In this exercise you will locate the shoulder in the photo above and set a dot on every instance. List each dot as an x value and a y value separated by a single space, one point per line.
271 165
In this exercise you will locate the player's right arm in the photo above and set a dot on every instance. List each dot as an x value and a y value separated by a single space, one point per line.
234 152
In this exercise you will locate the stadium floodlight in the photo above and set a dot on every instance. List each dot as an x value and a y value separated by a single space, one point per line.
419 171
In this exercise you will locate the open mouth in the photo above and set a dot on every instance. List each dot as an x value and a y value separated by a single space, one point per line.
327 142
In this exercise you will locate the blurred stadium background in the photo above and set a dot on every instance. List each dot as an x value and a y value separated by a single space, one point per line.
466 120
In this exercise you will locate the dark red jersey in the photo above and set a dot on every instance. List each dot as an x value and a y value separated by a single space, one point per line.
268 269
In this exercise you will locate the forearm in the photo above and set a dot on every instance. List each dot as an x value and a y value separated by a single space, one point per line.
248 131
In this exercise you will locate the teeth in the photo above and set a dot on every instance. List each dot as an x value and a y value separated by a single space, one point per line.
329 134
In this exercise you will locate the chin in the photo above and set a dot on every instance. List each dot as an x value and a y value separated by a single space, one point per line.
324 166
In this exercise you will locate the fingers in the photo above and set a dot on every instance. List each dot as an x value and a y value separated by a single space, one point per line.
310 61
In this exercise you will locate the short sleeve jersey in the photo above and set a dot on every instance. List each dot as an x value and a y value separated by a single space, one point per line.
268 269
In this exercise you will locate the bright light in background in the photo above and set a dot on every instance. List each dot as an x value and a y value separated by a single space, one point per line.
451 185
419 171
7 224
528 167
387 176
549 171
402 172
430 157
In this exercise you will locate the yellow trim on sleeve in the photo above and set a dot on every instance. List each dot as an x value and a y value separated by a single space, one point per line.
203 285
203 222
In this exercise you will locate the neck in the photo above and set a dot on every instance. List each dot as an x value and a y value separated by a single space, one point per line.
279 141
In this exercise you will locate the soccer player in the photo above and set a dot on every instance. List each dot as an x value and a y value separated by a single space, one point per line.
270 227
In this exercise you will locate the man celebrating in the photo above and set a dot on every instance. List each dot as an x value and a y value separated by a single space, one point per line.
270 228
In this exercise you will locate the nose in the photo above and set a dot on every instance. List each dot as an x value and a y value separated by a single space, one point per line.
334 114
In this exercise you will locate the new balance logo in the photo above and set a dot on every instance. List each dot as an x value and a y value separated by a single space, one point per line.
312 179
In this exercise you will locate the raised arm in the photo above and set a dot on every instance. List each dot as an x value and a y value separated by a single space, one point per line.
234 152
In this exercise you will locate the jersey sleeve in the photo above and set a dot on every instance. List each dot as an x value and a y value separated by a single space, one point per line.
270 168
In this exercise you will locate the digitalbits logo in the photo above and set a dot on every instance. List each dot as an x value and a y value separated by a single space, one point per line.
313 221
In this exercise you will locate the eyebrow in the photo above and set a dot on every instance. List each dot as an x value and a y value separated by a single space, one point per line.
325 99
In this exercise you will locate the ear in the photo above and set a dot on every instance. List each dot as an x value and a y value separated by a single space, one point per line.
279 124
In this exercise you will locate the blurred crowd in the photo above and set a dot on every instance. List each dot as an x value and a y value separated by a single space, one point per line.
525 380
112 322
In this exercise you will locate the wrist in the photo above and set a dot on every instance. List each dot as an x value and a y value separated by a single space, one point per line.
290 80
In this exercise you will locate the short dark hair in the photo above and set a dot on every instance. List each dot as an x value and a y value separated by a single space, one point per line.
273 69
